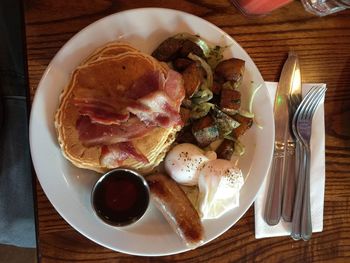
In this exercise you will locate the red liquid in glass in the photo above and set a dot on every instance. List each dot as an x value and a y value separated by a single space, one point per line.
259 7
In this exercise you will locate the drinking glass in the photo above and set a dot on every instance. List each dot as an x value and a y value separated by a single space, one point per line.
258 7
325 7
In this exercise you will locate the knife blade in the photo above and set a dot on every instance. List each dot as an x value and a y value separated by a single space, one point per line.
273 203
293 150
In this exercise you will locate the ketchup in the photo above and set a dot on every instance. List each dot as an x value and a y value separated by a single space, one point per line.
120 197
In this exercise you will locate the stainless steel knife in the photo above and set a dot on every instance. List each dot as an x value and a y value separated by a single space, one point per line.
281 114
293 150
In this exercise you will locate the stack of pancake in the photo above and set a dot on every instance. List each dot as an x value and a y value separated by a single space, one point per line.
114 67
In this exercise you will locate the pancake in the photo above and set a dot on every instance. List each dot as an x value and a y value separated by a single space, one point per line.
113 68
109 50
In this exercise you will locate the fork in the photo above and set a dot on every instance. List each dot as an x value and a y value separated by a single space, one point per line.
299 167
302 122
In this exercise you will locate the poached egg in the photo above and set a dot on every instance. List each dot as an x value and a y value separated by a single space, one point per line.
219 184
184 161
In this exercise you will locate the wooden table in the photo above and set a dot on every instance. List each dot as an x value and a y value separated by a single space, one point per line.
323 45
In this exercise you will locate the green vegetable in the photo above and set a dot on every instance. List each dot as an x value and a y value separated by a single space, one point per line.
202 95
209 73
251 99
230 111
246 114
239 148
215 56
201 110
249 113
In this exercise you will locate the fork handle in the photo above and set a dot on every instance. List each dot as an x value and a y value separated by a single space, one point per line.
296 221
306 224
274 197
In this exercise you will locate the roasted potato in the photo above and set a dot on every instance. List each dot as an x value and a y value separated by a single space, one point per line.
192 77
245 122
180 64
185 114
224 122
225 149
190 47
205 131
186 135
173 48
229 70
168 49
216 88
230 100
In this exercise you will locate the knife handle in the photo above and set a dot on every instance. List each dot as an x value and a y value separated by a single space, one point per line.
274 196
289 182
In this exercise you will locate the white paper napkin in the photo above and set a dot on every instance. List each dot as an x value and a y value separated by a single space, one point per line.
317 178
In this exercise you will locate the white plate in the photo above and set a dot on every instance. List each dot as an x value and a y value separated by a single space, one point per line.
68 188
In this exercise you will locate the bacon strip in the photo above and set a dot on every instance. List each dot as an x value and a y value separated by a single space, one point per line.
115 154
161 111
130 149
145 85
174 88
102 109
151 98
112 158
106 117
92 134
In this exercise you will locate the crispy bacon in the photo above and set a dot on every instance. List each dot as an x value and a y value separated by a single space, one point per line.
115 154
107 118
133 152
112 158
106 110
92 134
101 107
174 88
101 111
152 98
160 111
155 80
145 85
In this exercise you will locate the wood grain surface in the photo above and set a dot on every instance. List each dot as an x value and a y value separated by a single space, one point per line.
323 45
